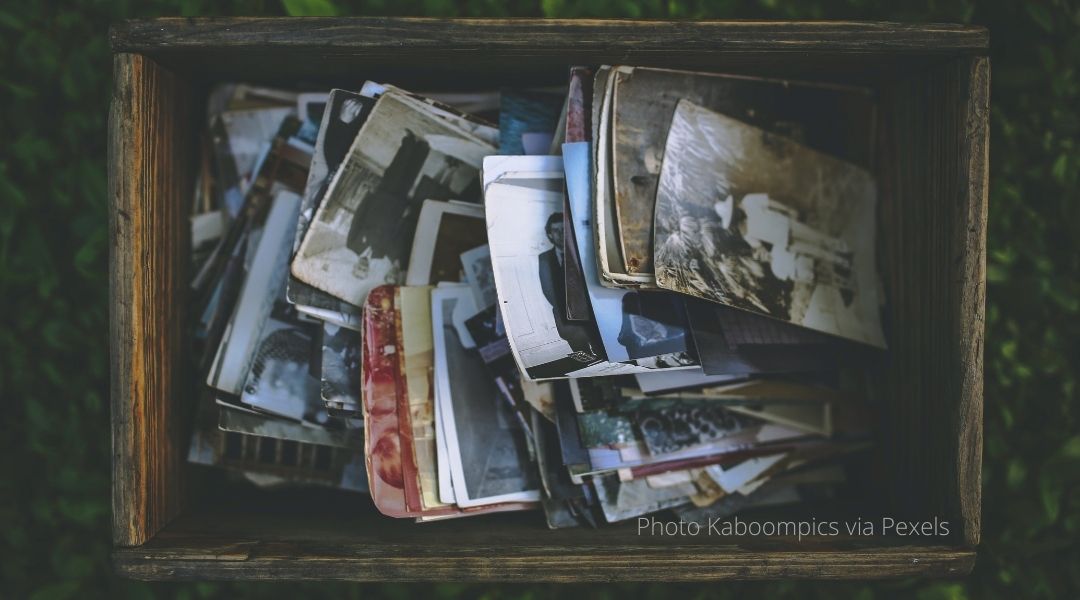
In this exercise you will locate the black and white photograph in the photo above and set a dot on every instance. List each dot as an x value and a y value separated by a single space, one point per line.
653 324
281 380
239 419
670 380
632 324
759 222
622 500
476 265
489 460
310 108
344 114
340 381
673 428
444 231
525 237
263 285
248 134
361 235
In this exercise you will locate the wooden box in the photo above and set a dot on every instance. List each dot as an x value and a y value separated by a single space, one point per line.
174 521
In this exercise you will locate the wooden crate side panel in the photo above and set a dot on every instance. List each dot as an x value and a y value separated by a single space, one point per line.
149 190
414 52
544 36
933 183
290 561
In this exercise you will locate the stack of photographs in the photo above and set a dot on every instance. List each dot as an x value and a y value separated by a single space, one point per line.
652 291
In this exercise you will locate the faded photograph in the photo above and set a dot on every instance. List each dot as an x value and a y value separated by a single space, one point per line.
831 118
758 222
670 429
476 264
444 231
362 234
552 267
346 113
281 380
340 380
525 231
489 458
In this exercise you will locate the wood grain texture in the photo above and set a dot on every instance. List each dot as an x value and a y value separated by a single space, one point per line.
933 184
971 277
149 188
544 36
299 562
505 548
422 53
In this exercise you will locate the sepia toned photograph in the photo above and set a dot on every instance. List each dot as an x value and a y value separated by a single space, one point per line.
361 235
761 223
831 118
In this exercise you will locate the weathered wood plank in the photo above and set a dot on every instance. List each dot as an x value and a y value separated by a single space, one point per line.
149 185
279 561
544 36
974 163
933 183
367 546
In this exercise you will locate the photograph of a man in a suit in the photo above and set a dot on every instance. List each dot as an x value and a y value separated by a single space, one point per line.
553 282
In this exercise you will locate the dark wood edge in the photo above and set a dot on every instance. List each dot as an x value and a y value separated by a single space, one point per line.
406 34
127 504
975 165
287 561
147 181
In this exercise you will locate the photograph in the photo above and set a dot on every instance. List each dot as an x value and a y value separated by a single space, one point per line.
416 408
281 380
476 265
362 233
669 380
612 267
527 121
525 238
443 232
340 379
380 373
622 500
835 119
257 296
344 115
232 417
248 133
673 428
632 324
756 221
489 461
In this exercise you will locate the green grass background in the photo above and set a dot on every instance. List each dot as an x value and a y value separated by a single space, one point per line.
54 489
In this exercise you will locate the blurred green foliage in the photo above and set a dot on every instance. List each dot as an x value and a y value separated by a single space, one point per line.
54 489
